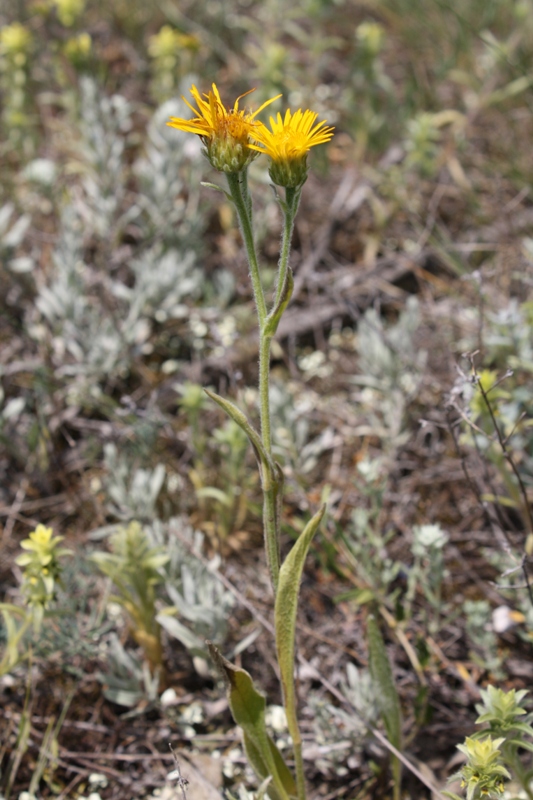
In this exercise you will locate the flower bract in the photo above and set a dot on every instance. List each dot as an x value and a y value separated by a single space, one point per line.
483 774
226 132
288 142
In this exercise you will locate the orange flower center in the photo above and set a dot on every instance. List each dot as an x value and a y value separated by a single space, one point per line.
231 125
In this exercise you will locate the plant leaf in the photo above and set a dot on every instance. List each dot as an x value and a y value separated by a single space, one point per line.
272 321
193 643
266 466
521 743
261 770
248 709
217 189
285 617
387 695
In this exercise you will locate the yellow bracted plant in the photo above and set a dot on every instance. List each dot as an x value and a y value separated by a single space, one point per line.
41 574
233 138
134 567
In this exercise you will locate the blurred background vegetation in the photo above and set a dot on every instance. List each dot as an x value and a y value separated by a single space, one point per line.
124 290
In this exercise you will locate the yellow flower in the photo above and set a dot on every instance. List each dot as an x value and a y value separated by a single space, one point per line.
68 11
226 132
40 537
78 48
15 41
165 43
288 142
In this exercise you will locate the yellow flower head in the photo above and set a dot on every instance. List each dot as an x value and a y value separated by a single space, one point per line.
226 132
78 48
288 142
15 42
68 11
40 537
168 42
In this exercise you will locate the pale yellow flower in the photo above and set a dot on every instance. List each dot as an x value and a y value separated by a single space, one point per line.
78 48
168 41
15 41
68 11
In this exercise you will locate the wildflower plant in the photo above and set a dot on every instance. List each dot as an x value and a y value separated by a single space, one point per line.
483 774
233 138
492 753
134 566
16 47
42 568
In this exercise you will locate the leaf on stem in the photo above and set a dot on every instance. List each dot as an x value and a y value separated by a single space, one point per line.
387 695
266 466
217 189
260 768
278 493
285 616
248 709
272 321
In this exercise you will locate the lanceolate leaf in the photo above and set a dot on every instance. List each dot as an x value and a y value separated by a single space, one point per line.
266 465
261 770
387 695
285 615
272 321
248 709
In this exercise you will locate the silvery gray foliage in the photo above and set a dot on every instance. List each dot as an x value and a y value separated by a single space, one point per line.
391 365
163 280
127 680
341 736
293 440
100 321
480 632
12 232
169 172
509 336
360 691
103 125
194 588
388 356
87 341
165 206
132 492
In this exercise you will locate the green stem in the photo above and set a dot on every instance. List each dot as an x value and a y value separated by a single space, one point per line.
299 766
271 534
290 208
272 480
270 516
264 390
238 186
246 194
512 760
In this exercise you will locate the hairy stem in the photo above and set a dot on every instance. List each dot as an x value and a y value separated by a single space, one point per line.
238 187
299 767
239 192
290 207
272 478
